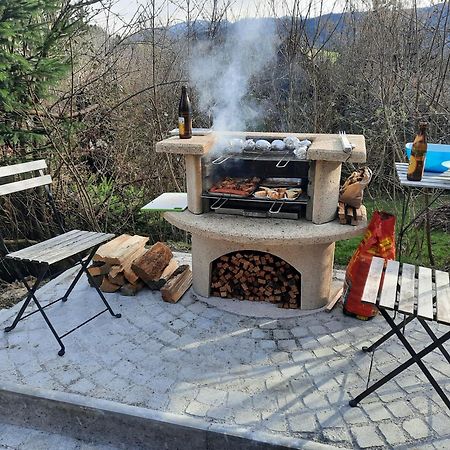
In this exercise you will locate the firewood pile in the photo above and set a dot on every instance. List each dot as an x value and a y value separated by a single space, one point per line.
351 196
256 276
125 264
348 215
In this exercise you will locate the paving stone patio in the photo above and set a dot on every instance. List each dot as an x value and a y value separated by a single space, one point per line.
14 437
291 377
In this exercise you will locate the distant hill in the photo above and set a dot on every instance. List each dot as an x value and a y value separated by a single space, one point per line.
337 21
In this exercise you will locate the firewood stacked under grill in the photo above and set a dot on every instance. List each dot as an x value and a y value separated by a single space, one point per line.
125 264
256 276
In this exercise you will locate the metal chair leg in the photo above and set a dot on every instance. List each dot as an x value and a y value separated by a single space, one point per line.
27 301
52 329
415 358
389 334
419 362
91 279
100 293
79 273
32 296
434 337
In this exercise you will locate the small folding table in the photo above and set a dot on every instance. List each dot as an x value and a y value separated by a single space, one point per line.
437 183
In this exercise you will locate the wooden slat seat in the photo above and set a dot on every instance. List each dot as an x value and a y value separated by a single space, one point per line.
389 291
370 294
442 297
426 295
60 247
407 298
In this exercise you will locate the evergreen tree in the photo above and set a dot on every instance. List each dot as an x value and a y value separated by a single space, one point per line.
34 36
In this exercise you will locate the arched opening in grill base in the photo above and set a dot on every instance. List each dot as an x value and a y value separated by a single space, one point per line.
256 276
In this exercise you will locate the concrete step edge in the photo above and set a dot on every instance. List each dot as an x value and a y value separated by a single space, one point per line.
129 427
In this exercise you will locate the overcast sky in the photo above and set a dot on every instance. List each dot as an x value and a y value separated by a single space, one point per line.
175 10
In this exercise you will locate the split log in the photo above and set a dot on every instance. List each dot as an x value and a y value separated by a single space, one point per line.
132 288
125 267
167 273
332 303
349 215
115 252
113 260
150 266
97 280
118 279
128 272
341 213
107 286
357 216
97 270
177 285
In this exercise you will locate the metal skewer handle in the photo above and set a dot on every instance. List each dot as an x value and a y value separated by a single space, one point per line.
272 211
280 164
220 160
217 204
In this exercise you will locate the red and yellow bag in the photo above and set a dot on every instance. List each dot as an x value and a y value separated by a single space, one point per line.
379 240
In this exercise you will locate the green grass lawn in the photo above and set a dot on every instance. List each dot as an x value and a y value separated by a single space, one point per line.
414 243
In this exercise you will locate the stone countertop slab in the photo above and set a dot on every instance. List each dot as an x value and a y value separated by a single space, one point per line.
268 231
324 147
197 145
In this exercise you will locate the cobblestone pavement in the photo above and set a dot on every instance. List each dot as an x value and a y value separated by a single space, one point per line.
13 437
288 376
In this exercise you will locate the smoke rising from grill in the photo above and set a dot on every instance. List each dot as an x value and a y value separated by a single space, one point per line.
221 73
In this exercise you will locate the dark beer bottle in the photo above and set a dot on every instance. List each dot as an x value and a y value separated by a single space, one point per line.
418 153
185 115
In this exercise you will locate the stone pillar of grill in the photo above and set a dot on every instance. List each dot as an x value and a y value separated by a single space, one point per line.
194 183
323 190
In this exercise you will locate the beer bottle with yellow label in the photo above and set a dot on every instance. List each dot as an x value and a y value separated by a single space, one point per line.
185 115
418 154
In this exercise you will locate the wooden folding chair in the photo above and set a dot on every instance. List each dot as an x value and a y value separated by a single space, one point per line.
74 243
420 294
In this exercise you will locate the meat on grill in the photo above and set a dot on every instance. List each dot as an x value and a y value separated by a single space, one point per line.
236 186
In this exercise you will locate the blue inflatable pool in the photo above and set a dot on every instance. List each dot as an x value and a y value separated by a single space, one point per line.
436 155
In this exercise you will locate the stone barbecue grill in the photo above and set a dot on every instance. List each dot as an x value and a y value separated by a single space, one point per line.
307 243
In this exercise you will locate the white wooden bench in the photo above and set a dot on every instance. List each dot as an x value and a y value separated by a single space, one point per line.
68 244
419 293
